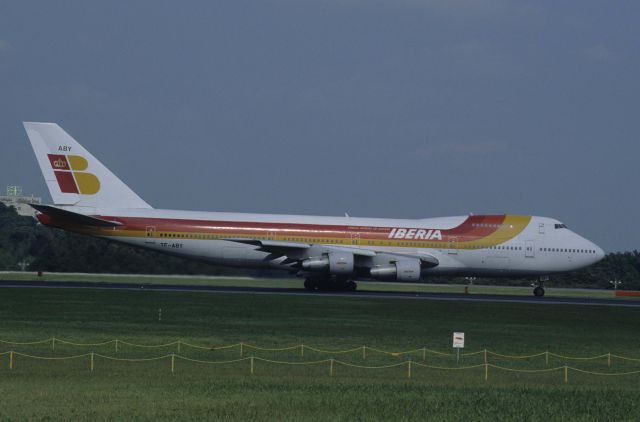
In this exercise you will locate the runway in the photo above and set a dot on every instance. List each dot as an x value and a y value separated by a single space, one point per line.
302 292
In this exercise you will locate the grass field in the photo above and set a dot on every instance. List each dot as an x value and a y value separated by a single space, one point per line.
67 389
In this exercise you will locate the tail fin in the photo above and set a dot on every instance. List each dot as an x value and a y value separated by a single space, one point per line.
73 175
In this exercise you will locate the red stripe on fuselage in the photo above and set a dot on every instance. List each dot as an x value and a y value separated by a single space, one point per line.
473 228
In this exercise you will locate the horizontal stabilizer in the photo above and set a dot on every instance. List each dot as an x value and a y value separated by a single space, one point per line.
59 214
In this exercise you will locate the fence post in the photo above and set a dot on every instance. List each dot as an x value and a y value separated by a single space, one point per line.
11 359
566 374
92 361
178 346
609 359
173 362
53 344
424 353
485 356
486 371
546 357
116 345
331 367
409 368
252 364
302 350
364 352
241 351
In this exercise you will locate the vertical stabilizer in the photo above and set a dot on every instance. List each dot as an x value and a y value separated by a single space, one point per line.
73 175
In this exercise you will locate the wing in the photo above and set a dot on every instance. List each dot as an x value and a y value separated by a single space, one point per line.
363 259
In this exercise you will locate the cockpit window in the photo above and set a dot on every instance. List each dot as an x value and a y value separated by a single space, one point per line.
560 226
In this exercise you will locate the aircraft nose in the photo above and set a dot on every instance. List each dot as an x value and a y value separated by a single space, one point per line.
599 253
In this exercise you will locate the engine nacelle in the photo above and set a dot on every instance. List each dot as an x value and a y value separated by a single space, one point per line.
401 270
333 262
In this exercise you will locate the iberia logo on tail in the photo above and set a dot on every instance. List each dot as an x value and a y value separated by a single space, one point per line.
69 171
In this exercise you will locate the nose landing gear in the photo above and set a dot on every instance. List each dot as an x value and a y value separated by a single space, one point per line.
538 291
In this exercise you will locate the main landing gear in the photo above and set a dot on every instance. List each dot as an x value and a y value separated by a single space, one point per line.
330 285
538 291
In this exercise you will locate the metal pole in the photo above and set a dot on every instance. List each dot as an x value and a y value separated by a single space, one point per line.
566 374
331 367
241 350
486 371
364 352
92 361
302 350
409 369
173 362
252 365
11 360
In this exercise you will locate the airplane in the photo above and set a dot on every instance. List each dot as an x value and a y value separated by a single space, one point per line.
331 253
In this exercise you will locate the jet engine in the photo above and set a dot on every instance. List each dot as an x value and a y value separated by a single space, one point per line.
333 262
401 270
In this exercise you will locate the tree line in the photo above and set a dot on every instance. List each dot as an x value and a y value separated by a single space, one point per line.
39 248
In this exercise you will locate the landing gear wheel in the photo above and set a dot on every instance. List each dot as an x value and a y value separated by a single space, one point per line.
310 284
538 291
351 286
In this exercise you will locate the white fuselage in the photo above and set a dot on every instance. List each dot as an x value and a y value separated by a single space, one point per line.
541 246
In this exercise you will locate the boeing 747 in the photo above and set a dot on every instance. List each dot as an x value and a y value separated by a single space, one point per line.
330 252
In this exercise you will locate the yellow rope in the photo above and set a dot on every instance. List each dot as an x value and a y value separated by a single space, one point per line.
489 352
132 360
334 352
370 367
578 358
457 368
316 362
149 346
52 357
210 347
212 362
311 348
526 370
271 349
323 362
624 358
104 343
604 373
385 352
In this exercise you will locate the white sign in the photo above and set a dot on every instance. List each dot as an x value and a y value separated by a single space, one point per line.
458 340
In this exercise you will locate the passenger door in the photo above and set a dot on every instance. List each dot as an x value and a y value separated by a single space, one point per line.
529 249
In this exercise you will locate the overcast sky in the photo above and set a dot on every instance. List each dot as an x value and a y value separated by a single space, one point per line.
400 108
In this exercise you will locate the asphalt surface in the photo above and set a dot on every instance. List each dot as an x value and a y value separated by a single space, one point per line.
302 292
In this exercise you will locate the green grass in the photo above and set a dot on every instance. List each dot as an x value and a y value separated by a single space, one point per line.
297 283
41 389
